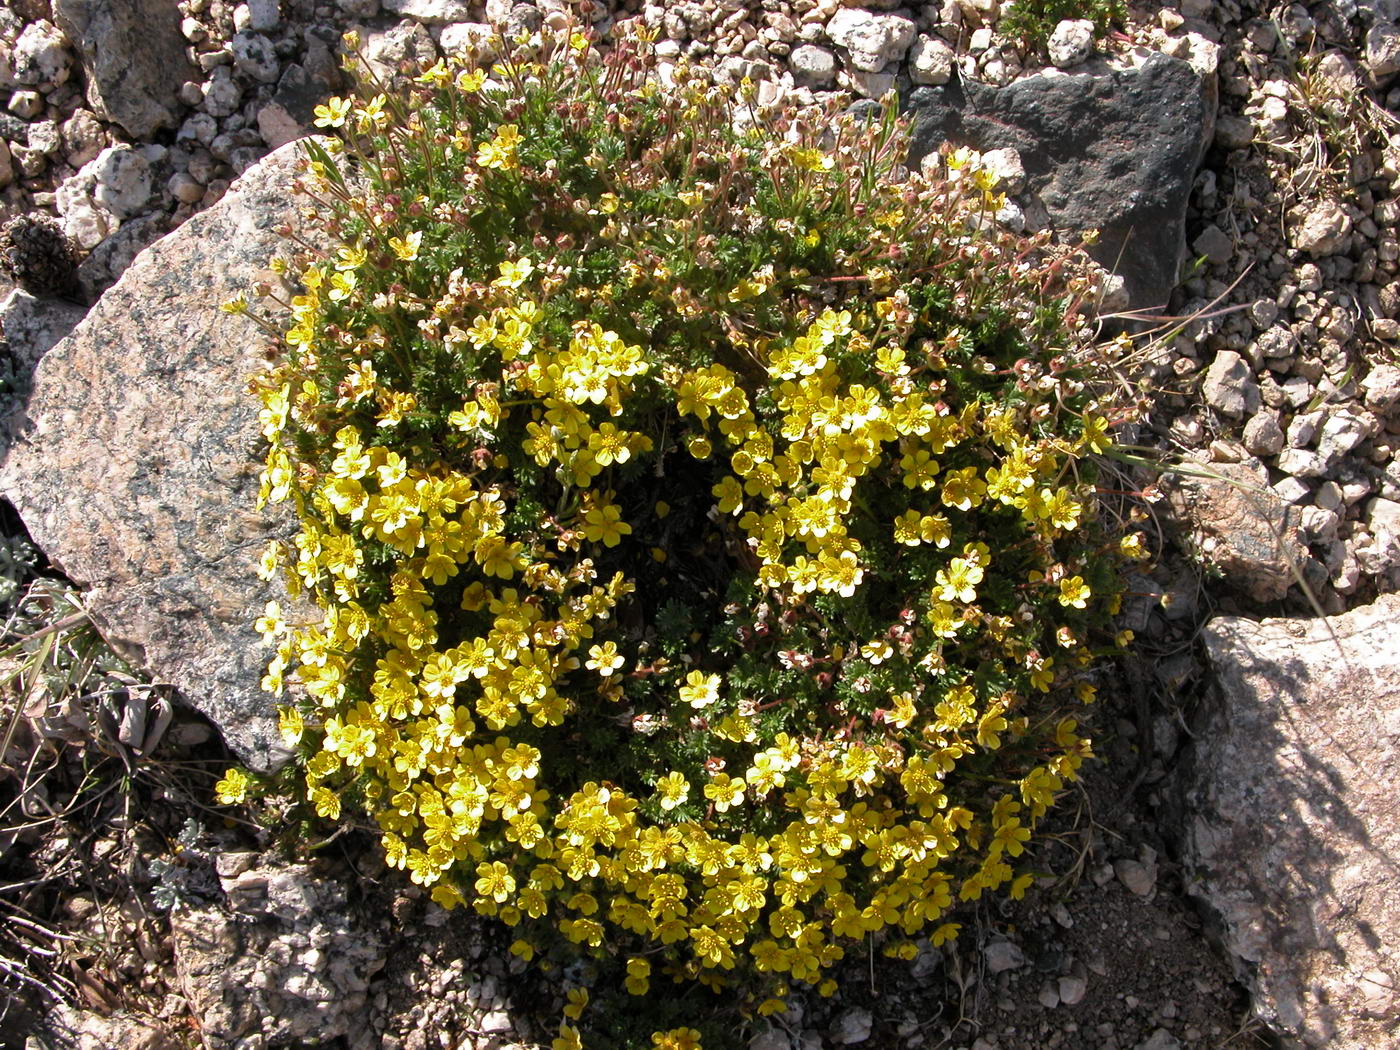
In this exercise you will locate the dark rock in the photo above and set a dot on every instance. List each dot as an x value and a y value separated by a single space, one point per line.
1116 152
35 254
134 59
299 94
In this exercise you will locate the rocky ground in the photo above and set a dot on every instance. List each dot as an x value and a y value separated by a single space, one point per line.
1279 370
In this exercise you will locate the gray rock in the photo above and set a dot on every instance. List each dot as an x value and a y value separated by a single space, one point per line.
26 104
1289 813
1383 50
7 168
388 51
1160 1039
1072 989
1215 245
930 61
1319 228
1229 386
473 38
222 94
254 56
872 41
1381 387
83 138
63 1027
286 962
85 222
1232 132
812 66
29 328
133 57
359 8
1071 42
1341 432
1115 152
770 1039
852 1027
41 57
434 12
1139 878
278 127
299 93
1003 955
1241 526
122 180
1263 436
142 411
264 16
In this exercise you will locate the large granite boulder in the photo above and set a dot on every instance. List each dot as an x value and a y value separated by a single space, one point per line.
135 466
133 56
1115 152
1291 834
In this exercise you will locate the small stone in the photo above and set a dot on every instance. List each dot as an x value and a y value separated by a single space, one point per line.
221 93
812 66
495 1021
852 1027
1071 42
1136 876
83 138
1383 49
1049 995
1229 386
433 12
873 41
1263 436
1006 165
930 61
1340 434
26 104
254 56
1381 387
1072 989
191 93
184 188
1319 229
1215 245
1232 132
123 180
264 16
471 38
278 127
1291 490
1003 955
41 57
7 170
771 1039
1161 1039
1301 463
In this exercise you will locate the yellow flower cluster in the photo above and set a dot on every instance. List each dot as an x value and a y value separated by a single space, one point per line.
513 666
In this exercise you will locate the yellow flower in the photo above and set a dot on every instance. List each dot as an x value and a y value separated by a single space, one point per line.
233 788
1074 593
605 659
333 113
672 789
676 1039
700 689
499 153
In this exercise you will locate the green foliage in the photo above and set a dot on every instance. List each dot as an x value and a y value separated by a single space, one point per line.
700 509
1034 20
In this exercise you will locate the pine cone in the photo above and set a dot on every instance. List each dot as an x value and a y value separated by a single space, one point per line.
35 254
